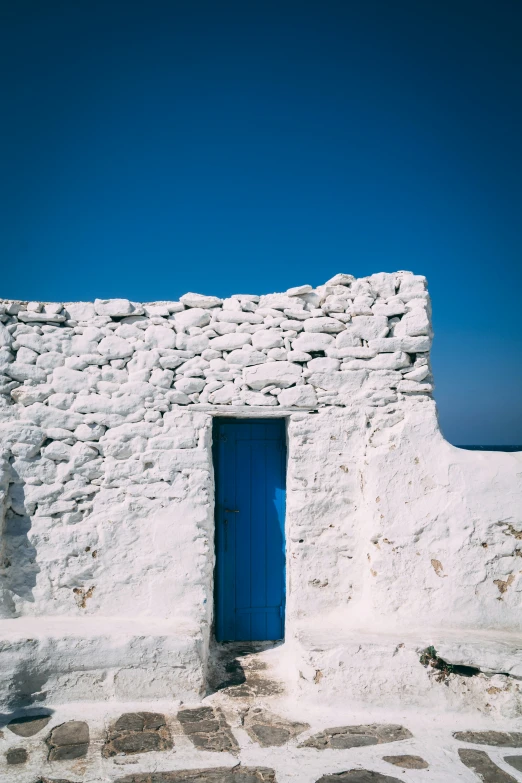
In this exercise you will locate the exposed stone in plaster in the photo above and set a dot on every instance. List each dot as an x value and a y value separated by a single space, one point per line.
207 729
357 736
137 732
28 726
357 776
498 739
407 762
514 761
237 774
16 756
68 741
270 730
484 767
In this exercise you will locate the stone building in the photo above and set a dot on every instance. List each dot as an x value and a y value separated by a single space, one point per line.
178 475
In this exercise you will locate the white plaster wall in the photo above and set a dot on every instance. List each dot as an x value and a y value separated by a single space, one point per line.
388 523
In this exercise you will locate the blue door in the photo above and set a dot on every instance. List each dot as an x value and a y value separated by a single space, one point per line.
250 468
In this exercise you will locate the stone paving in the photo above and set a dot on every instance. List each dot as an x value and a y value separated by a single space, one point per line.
253 739
139 733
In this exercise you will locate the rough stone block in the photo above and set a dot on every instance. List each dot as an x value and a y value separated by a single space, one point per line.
29 725
207 729
237 774
484 767
68 741
497 739
407 762
270 730
16 756
357 736
357 776
137 732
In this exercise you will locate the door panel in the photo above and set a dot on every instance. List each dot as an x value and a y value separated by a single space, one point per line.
250 468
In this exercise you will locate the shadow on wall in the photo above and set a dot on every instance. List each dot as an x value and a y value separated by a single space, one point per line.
26 688
19 566
28 716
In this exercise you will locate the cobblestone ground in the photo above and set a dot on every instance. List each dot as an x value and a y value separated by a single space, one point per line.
247 731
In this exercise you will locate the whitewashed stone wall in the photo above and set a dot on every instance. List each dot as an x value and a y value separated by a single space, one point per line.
107 554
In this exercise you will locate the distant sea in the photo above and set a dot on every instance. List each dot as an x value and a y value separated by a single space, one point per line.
490 448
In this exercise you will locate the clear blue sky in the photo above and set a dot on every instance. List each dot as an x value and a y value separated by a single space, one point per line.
150 148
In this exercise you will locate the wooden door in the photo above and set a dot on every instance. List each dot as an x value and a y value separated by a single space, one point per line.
250 469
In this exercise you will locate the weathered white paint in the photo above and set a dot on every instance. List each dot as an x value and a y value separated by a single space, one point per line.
395 539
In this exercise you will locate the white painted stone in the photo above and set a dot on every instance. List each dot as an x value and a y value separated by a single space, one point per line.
24 372
32 340
312 342
244 358
268 338
26 395
295 314
6 338
336 304
323 365
418 374
290 325
340 279
299 290
277 354
65 380
80 311
408 344
281 374
196 316
160 337
115 348
327 325
298 356
256 398
44 416
190 385
347 339
411 286
369 327
224 395
26 356
280 301
89 432
230 342
161 378
196 344
383 284
358 352
113 308
412 386
415 323
239 317
298 397
390 309
383 361
200 300
32 317
155 309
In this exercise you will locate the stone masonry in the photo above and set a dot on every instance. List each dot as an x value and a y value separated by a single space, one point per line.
396 541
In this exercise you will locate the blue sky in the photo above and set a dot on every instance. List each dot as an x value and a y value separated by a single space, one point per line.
150 148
